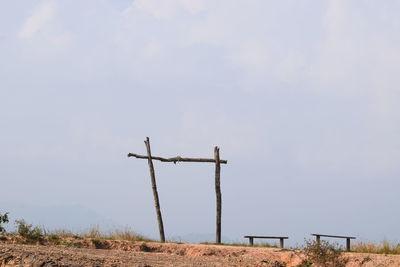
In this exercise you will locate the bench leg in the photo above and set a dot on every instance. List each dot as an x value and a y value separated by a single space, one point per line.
251 241
318 239
281 242
348 244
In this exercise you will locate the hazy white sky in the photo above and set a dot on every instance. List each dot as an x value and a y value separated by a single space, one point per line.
301 96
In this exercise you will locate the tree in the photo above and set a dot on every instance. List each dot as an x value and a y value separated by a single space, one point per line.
3 219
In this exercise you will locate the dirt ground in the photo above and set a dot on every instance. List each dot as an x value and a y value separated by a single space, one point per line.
140 254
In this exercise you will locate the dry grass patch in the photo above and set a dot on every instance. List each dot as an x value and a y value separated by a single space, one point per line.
115 234
385 247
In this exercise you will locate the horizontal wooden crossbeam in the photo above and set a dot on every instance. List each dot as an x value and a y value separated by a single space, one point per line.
177 159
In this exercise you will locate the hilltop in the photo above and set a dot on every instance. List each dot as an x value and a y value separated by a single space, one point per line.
93 252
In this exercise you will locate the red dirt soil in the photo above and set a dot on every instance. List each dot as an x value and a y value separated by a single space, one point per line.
87 252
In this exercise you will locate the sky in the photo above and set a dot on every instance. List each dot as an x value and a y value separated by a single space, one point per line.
300 96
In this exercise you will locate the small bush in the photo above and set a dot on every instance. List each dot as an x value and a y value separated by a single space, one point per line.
55 239
100 244
305 263
3 219
145 248
274 263
366 259
323 254
28 231
279 264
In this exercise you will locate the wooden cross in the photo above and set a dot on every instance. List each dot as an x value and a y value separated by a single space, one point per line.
176 159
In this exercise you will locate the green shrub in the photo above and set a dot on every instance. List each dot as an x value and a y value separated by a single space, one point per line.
144 247
305 263
274 263
100 244
28 231
55 239
3 219
323 254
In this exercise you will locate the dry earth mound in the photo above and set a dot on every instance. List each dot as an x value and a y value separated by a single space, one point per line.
89 252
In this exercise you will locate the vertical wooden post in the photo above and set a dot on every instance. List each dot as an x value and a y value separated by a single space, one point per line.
318 238
251 241
348 244
218 194
281 243
155 193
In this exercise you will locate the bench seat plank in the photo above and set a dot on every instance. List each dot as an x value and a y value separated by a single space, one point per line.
318 237
334 236
267 237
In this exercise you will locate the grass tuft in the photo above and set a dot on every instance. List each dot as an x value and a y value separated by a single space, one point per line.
385 247
115 234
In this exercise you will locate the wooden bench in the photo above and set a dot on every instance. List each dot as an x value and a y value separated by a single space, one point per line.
251 238
318 239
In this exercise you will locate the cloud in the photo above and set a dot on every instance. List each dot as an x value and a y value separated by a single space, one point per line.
359 57
356 44
42 35
200 131
307 88
246 34
166 9
42 16
253 55
343 51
